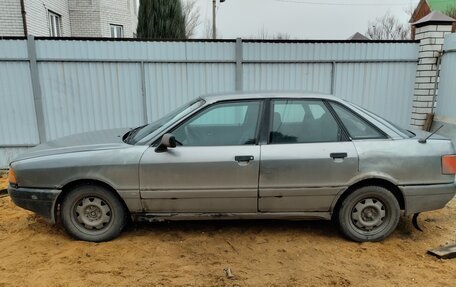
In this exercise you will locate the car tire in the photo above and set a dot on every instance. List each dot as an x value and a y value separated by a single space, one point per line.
370 213
92 213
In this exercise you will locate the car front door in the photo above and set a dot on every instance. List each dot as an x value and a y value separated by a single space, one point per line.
307 160
216 168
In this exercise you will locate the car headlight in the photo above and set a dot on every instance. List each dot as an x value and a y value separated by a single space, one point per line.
12 177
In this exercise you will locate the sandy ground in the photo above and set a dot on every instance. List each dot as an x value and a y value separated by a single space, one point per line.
3 180
259 253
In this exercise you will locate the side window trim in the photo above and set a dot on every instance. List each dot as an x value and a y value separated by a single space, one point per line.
345 132
267 125
330 103
265 122
260 124
197 112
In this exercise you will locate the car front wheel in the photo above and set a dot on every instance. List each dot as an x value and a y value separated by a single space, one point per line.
370 213
92 213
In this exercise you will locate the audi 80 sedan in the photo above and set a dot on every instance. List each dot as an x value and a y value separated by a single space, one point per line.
240 156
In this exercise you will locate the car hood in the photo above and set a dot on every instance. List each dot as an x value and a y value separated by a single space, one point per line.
90 141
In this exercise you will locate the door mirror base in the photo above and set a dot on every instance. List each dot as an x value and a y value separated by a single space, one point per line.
167 141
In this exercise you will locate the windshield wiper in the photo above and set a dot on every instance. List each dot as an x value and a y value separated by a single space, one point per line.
131 134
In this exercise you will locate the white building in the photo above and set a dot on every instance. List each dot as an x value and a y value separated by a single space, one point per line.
69 18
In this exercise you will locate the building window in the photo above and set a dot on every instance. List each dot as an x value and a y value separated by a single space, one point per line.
55 24
116 31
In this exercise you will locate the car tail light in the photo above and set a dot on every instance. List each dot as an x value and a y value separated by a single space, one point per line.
12 177
449 164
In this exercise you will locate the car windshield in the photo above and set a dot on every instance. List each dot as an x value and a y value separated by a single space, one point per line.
387 123
139 133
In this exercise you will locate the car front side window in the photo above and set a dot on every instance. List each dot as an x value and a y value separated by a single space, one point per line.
302 121
222 124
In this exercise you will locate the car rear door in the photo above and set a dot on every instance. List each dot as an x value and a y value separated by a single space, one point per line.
215 170
308 158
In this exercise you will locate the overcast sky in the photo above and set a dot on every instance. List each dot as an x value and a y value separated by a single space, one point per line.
301 19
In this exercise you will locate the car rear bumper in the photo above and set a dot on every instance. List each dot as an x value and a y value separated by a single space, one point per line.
40 201
419 198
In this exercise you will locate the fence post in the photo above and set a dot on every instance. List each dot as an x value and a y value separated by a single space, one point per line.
36 88
239 65
430 31
143 92
333 77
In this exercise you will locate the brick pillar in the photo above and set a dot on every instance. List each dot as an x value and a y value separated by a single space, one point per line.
430 32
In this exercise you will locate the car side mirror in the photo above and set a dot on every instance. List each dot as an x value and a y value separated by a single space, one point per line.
167 141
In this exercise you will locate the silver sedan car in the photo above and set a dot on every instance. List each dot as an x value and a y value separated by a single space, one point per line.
240 156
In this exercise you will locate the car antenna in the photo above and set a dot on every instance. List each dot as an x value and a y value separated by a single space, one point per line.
423 141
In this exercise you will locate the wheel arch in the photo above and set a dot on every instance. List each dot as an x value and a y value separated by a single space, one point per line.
393 188
75 183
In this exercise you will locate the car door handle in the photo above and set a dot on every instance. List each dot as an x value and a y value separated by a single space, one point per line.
243 158
335 155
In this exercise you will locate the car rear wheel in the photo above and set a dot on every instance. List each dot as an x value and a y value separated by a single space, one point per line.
370 213
93 213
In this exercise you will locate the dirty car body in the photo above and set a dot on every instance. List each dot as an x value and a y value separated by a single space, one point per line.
241 156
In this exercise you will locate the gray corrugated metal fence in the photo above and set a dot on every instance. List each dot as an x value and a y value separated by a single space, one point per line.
446 99
446 107
52 88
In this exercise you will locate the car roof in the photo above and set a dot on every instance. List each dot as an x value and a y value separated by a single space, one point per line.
269 94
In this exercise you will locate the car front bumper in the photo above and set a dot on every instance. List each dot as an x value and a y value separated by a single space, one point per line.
40 201
419 198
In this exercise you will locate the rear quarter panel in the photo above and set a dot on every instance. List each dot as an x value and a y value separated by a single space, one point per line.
407 161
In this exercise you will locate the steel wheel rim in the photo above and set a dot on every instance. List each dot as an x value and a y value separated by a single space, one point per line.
369 215
92 213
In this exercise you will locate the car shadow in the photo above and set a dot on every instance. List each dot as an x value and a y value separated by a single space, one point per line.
319 227
180 229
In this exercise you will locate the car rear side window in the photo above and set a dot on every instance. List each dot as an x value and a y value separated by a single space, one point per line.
302 121
357 127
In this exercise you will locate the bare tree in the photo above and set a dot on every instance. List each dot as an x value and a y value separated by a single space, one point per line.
282 36
388 27
263 34
192 17
207 30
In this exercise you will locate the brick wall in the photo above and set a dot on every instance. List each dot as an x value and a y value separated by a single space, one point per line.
134 15
80 18
11 18
431 42
92 18
118 12
37 16
85 18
